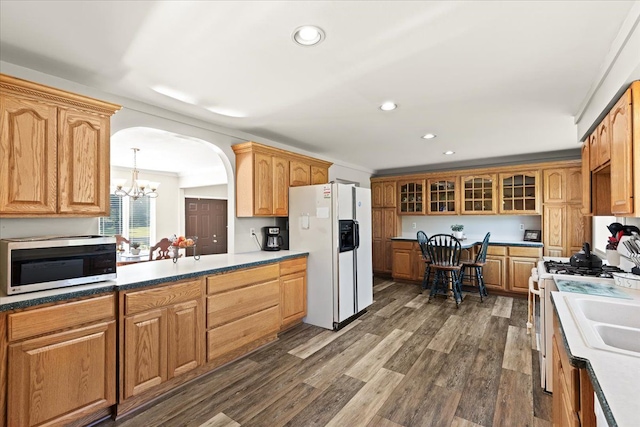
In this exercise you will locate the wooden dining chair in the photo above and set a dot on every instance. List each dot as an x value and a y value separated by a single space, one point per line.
422 242
160 250
476 268
444 251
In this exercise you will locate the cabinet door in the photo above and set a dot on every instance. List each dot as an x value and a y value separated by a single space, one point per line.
574 185
621 156
586 180
402 264
411 195
263 184
145 352
479 194
418 263
555 185
377 223
280 186
319 175
519 193
377 198
293 297
28 157
390 230
554 230
575 229
84 164
494 272
604 143
519 273
300 173
58 378
389 194
185 337
378 256
442 196
593 150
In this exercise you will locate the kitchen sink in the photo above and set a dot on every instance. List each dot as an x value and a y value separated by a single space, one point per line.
622 338
614 313
608 325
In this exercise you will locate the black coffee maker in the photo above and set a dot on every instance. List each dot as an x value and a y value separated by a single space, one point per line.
272 240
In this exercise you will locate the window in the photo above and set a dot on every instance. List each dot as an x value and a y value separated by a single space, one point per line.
133 219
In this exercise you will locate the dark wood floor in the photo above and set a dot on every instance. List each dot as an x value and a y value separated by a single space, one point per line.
404 363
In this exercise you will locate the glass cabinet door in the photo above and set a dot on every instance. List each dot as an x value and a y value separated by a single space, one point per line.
442 196
479 194
411 197
519 192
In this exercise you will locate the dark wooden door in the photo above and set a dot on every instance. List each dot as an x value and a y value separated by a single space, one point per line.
207 219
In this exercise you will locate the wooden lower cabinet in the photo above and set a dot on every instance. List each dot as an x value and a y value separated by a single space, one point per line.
495 272
385 225
293 298
65 375
163 334
403 268
573 397
519 273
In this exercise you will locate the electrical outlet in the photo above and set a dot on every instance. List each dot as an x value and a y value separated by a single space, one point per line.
252 232
413 225
522 227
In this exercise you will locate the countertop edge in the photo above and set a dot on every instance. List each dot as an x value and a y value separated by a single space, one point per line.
74 292
581 363
479 242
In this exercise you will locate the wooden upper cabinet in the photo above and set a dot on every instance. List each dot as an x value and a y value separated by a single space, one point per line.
299 173
479 194
83 158
442 196
54 151
586 180
28 156
574 185
604 141
264 175
411 197
280 186
621 156
319 174
519 192
555 186
593 150
383 194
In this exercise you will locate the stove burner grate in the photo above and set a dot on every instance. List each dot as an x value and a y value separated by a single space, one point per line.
559 267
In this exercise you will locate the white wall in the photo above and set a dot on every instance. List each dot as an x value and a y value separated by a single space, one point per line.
208 192
501 227
135 114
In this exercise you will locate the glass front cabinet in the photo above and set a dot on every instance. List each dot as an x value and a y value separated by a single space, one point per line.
411 197
519 193
479 194
442 196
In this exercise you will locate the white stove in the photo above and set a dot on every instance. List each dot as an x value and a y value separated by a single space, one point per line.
544 317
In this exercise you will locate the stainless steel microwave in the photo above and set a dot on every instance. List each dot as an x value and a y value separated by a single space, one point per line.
40 263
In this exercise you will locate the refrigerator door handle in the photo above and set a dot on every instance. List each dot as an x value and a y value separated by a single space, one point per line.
355 280
356 232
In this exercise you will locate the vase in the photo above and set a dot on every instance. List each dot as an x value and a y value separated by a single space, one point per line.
613 257
135 251
458 234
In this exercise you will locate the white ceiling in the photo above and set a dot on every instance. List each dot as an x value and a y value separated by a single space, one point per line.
489 78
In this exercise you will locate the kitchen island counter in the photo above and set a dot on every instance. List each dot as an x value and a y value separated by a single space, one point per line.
151 273
615 376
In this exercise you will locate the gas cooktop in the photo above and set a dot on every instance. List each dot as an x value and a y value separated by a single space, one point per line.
559 267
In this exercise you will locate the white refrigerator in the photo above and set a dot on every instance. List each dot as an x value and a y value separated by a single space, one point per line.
333 223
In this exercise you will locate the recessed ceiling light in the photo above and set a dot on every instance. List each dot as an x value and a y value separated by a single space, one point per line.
226 112
429 136
308 35
388 106
448 153
175 94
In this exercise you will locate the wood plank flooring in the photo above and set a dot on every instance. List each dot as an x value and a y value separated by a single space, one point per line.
406 362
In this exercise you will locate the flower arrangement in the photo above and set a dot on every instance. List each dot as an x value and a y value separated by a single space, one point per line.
135 245
181 242
457 227
613 243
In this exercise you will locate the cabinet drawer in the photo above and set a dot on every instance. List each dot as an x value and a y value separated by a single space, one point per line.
397 244
225 307
229 337
525 252
237 279
497 250
138 301
293 266
49 319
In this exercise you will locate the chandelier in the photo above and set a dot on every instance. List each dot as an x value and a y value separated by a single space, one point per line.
139 187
